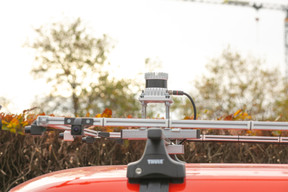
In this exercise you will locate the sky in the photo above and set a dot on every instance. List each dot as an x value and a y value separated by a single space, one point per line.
183 36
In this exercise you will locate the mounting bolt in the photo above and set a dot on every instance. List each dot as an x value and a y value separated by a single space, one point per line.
138 171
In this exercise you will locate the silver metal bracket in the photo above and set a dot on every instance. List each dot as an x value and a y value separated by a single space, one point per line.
141 134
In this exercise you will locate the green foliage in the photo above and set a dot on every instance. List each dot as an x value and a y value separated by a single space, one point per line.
234 83
73 62
281 104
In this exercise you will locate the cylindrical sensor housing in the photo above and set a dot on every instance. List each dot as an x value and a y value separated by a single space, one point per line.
156 88
156 80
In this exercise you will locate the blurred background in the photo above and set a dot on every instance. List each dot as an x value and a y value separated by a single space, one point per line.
88 58
69 57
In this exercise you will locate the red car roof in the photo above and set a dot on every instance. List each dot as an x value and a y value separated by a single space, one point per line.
199 178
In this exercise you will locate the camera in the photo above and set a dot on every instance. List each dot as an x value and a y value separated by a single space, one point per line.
77 128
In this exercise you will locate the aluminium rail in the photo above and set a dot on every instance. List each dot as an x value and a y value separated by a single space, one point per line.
172 129
47 121
141 134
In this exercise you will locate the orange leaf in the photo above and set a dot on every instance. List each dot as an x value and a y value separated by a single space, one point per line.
109 129
13 123
107 113
228 118
98 115
237 112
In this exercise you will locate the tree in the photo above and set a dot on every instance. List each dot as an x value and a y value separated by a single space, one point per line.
234 83
73 62
281 104
4 102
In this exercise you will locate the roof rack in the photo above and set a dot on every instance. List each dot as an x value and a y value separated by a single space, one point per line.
156 169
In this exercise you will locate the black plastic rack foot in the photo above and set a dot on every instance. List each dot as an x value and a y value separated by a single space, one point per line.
156 169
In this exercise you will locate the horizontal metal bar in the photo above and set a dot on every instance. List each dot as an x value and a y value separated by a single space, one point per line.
125 122
164 123
135 134
115 135
258 125
190 134
47 120
98 122
240 138
201 124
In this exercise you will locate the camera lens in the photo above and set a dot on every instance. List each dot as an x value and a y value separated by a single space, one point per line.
76 130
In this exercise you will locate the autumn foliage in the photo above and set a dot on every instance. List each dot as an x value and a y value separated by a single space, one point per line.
16 123
23 157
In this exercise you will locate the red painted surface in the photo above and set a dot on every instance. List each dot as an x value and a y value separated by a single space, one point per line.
199 178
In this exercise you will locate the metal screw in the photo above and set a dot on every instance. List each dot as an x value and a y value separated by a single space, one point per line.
138 171
87 121
68 120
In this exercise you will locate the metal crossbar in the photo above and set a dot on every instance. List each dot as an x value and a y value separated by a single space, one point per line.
240 138
190 131
47 121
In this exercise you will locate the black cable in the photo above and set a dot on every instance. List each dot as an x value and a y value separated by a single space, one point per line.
194 107
194 111
190 98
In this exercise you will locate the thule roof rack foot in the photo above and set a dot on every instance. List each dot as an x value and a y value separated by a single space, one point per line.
156 169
